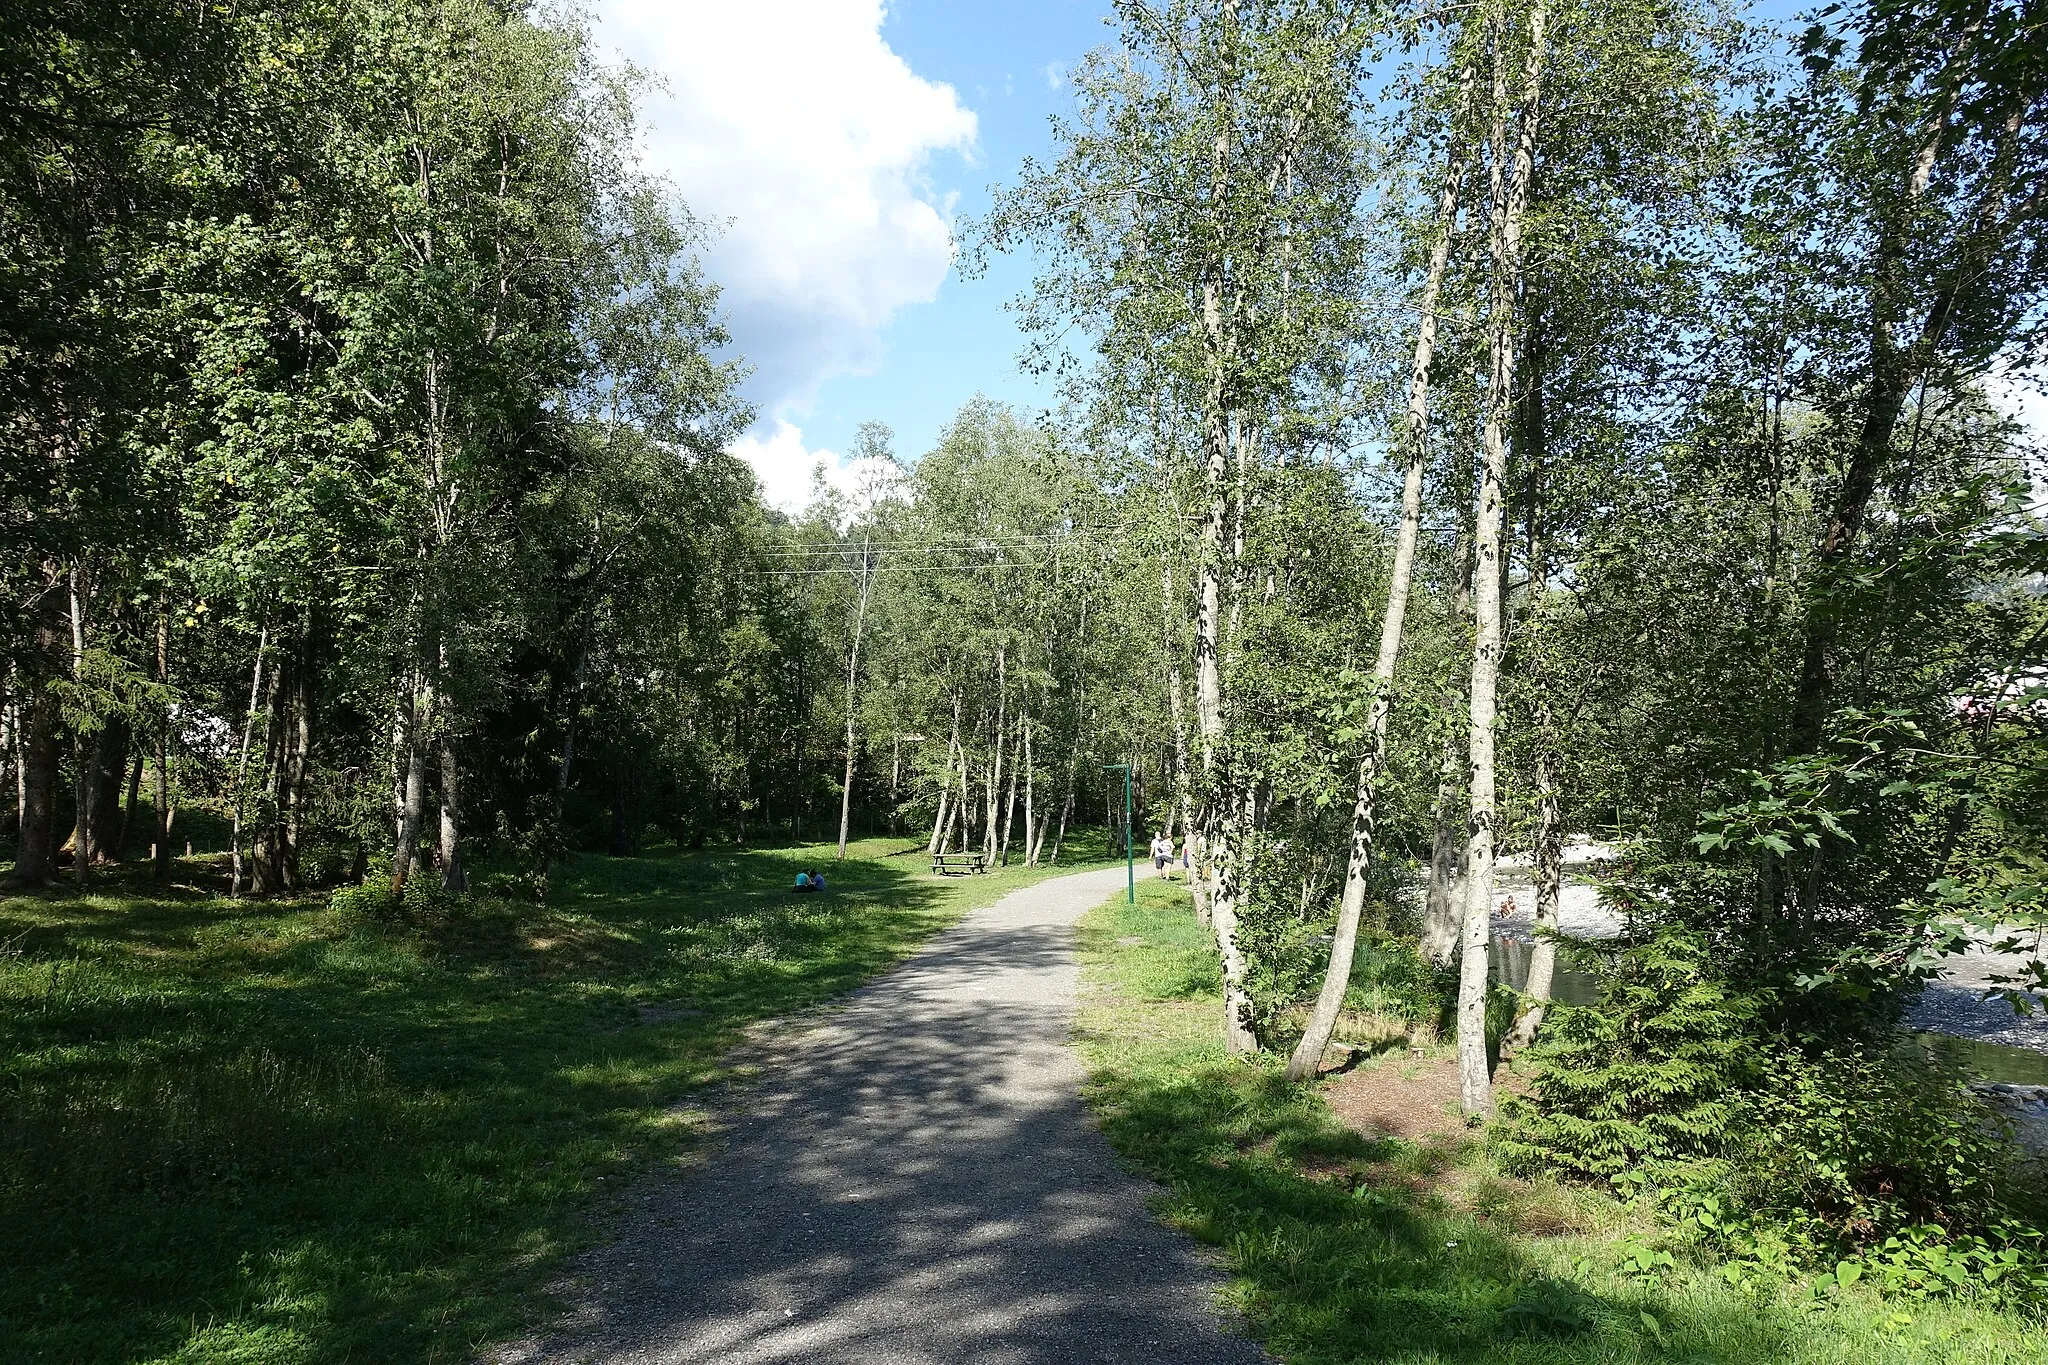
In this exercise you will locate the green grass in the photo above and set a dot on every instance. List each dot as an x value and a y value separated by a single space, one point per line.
1343 1249
259 1132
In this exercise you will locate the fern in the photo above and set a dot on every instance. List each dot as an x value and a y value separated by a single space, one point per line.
1650 1073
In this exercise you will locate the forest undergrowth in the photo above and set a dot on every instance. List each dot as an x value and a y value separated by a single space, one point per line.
1343 1248
277 1131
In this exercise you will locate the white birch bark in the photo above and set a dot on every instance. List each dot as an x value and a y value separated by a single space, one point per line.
242 766
860 621
1509 196
1308 1055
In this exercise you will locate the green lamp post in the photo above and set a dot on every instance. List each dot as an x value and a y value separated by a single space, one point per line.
1130 863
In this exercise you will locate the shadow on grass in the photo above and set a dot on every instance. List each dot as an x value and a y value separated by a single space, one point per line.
1349 1249
255 1131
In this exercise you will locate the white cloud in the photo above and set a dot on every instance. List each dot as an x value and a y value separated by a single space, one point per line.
783 465
788 470
1055 75
793 124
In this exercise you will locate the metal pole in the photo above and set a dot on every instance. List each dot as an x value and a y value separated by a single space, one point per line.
1130 853
1130 843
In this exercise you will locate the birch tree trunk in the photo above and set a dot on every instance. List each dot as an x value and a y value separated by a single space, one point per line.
1030 805
1308 1055
995 753
242 766
1066 809
860 621
1010 799
160 855
454 877
1217 848
416 713
1509 196
942 818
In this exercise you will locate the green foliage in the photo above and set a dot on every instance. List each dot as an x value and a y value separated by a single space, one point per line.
1649 1074
1853 1144
1343 1249
421 904
1391 977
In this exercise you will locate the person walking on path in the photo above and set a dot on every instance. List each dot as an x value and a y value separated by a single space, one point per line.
1162 853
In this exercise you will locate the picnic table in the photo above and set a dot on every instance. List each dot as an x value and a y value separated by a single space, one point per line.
958 864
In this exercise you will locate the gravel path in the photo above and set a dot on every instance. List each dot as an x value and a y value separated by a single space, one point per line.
915 1180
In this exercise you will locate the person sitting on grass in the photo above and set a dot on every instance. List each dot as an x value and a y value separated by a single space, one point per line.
803 883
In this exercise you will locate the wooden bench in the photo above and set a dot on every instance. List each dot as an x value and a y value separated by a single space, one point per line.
958 864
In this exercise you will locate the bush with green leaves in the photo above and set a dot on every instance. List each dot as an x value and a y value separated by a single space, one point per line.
1652 1073
422 902
1391 977
1864 1141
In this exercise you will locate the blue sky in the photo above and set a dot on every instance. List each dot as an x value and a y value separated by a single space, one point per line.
1007 62
835 145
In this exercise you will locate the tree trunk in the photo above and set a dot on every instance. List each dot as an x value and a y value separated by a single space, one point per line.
995 753
160 854
860 620
10 720
942 818
1170 621
1308 1056
1549 885
82 787
1510 190
416 712
1030 804
1010 798
454 877
299 766
966 803
1549 819
35 860
1443 912
265 843
1066 809
895 777
118 849
1896 369
96 830
242 765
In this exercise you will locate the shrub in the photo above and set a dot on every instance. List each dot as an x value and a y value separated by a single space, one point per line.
422 903
1390 976
369 900
1650 1073
1868 1141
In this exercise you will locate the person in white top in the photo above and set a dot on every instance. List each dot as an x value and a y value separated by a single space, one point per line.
1162 852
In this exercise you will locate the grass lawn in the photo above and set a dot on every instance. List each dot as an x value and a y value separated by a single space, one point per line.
1343 1248
259 1131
